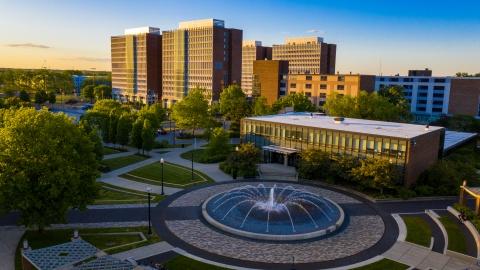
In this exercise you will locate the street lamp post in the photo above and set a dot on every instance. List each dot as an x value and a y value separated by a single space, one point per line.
161 162
234 176
149 216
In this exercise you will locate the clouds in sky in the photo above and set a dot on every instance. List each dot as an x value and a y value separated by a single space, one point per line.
316 32
28 45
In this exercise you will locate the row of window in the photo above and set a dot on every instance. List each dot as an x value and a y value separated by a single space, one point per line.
396 79
322 86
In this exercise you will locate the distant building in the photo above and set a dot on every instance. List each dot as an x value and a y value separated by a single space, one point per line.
306 55
252 50
270 79
201 53
78 83
413 148
137 65
420 72
319 87
430 97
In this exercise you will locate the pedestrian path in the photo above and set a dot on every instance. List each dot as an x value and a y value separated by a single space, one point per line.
423 258
9 238
137 186
117 155
145 251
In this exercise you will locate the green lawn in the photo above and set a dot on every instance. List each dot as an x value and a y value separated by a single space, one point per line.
201 156
174 175
456 238
119 162
185 263
418 230
109 194
384 264
54 237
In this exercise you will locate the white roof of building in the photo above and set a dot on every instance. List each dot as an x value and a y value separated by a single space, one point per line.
455 138
380 128
142 30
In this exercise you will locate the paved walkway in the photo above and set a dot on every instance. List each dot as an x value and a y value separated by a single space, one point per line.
9 238
145 251
423 258
173 156
116 155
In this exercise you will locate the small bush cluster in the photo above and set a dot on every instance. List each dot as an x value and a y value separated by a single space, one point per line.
469 213
242 162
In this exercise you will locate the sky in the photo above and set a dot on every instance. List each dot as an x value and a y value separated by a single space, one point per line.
372 36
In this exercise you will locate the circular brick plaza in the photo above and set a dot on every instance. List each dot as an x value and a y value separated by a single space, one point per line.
365 233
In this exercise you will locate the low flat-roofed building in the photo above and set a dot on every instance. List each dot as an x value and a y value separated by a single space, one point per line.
318 87
411 147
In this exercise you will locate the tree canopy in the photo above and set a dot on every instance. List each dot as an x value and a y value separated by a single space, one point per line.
371 106
47 165
233 103
298 101
102 92
192 111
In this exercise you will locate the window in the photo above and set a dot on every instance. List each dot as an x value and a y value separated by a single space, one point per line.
323 78
424 80
323 95
422 94
439 80
423 87
308 94
408 79
438 110
438 102
308 77
308 86
439 87
293 85
340 87
341 78
381 79
393 79
323 86
437 95
422 102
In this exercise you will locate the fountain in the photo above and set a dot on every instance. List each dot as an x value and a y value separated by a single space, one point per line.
272 213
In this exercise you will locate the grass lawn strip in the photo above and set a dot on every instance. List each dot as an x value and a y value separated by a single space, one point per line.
151 174
383 264
119 162
456 238
109 151
185 263
112 239
418 230
112 195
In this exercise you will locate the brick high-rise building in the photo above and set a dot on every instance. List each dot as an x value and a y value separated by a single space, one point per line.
137 65
270 79
252 50
306 55
201 53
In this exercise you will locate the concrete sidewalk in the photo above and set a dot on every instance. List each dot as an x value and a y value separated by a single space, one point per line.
145 251
9 238
138 186
423 258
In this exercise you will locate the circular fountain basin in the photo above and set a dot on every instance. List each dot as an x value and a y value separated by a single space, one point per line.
273 213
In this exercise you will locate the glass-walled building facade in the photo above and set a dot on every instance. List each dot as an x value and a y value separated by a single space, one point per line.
301 132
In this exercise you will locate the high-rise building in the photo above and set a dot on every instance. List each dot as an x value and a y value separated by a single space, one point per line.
306 55
319 87
252 50
137 65
201 53
270 79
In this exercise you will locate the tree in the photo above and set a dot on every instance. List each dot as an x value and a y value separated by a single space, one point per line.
376 173
136 134
24 96
242 162
102 92
41 97
342 167
192 111
148 136
260 106
233 103
298 101
154 113
219 142
394 94
124 127
366 106
314 165
112 126
88 92
51 97
48 165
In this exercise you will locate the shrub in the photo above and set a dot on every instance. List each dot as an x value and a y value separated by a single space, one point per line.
424 190
243 162
219 143
161 144
405 193
314 165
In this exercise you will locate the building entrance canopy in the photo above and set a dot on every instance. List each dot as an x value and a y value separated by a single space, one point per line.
279 149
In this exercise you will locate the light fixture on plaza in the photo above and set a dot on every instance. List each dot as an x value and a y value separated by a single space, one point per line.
161 162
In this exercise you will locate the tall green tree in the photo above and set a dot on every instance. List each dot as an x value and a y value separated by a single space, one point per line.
24 96
51 97
47 166
260 106
219 142
136 135
298 101
124 127
192 111
88 92
148 136
102 92
233 103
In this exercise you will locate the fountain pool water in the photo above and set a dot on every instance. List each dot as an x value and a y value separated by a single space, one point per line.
273 213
